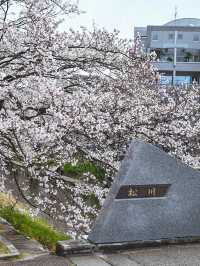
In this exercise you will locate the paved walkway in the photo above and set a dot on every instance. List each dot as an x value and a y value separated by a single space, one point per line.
174 255
40 261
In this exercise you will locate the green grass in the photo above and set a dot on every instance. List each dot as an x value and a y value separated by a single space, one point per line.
84 167
3 249
35 228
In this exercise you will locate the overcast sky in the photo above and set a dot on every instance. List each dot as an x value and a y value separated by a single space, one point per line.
125 14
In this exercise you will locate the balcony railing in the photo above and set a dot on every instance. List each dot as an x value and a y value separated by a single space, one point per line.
182 59
180 66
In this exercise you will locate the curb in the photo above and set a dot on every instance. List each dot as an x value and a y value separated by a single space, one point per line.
71 247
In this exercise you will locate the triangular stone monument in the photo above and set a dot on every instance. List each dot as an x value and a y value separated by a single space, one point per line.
154 197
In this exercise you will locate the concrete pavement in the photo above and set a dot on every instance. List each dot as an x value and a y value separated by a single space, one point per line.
173 255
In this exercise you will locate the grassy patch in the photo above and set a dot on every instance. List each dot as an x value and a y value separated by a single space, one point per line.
3 249
83 167
35 228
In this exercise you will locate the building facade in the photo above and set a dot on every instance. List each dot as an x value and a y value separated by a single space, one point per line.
177 45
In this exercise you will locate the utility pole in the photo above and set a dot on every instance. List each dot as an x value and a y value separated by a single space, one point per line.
175 48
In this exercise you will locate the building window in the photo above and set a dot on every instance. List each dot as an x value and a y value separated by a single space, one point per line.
196 38
196 58
180 36
155 37
171 36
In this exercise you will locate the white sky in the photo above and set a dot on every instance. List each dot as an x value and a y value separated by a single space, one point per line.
125 14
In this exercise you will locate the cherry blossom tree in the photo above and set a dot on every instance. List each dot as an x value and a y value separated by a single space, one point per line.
176 127
68 100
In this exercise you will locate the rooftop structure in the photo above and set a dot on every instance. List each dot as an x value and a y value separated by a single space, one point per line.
177 45
184 22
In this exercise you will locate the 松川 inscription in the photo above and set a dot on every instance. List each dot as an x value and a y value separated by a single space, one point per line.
142 191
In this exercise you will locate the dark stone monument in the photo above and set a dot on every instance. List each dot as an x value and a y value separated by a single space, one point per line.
153 198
